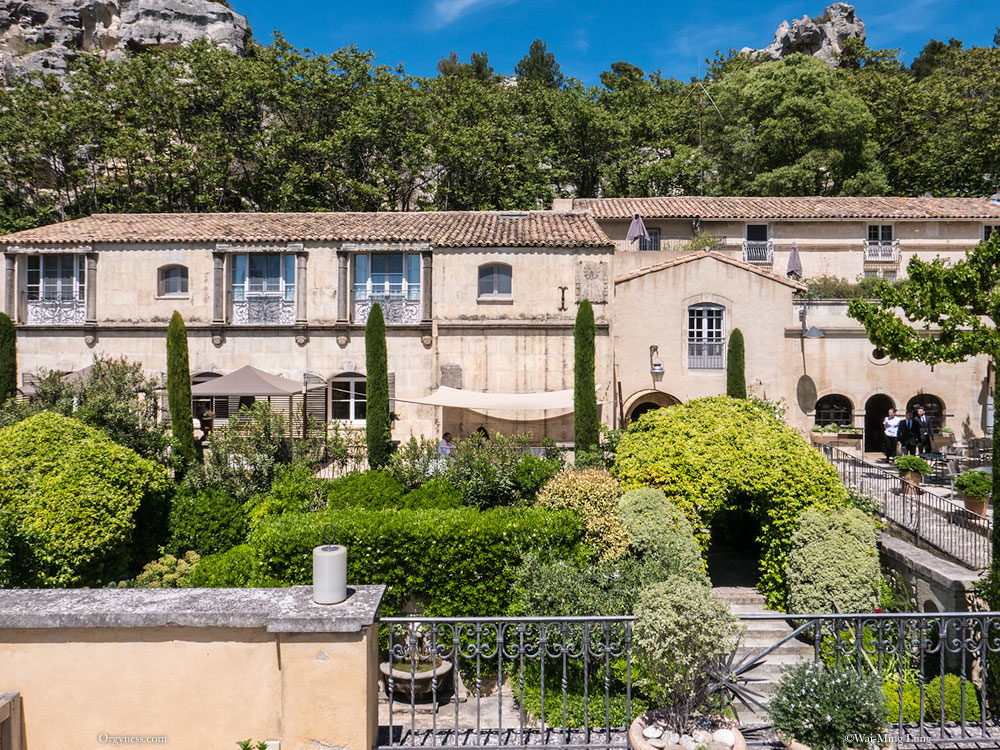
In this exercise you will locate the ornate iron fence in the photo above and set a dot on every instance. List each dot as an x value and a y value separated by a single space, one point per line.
945 525
534 683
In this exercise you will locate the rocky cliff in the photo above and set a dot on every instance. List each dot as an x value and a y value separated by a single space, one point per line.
820 37
45 35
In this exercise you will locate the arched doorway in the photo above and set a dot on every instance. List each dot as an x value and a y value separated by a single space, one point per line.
933 407
834 409
645 402
876 409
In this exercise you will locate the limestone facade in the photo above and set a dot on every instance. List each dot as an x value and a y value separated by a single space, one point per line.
486 301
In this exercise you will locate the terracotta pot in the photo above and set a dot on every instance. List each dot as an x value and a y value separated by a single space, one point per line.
637 742
976 505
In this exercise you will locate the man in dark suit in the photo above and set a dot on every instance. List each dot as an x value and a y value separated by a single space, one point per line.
909 434
925 430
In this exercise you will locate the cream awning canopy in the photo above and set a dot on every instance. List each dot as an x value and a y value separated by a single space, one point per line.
247 381
480 401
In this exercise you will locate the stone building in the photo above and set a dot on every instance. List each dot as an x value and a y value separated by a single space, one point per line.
485 302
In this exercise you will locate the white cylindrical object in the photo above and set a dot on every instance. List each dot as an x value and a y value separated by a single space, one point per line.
329 574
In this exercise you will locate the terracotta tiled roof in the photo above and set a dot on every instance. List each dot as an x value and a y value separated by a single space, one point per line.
701 254
690 207
439 228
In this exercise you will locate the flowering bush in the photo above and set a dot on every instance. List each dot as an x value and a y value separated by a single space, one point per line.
593 495
827 707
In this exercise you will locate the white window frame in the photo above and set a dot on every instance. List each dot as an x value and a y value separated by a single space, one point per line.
281 287
496 278
56 288
698 316
161 281
404 285
881 231
352 400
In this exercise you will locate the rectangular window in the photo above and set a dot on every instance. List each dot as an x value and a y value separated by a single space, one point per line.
756 232
989 229
880 232
495 280
653 243
387 276
263 275
56 278
706 337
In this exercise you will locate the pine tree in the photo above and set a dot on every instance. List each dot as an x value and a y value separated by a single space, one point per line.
179 390
586 428
377 427
8 358
736 380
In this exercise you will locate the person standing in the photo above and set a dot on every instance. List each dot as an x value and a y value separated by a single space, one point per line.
445 446
908 434
890 426
925 430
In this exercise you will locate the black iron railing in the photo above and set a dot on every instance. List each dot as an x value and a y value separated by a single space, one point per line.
941 523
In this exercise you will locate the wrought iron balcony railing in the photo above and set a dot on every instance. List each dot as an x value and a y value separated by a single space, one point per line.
758 253
882 251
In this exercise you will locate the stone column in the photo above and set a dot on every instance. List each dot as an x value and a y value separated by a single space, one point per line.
219 288
343 292
9 285
91 314
426 286
301 291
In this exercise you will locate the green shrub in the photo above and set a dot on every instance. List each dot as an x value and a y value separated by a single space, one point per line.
8 358
533 472
485 470
416 461
736 382
179 389
912 463
681 630
437 494
586 430
243 456
910 703
593 495
953 687
660 536
207 522
543 587
296 489
825 707
88 509
833 561
369 489
974 483
166 572
378 427
434 562
235 568
715 453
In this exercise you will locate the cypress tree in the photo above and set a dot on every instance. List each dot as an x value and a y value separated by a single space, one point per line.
8 358
179 389
377 428
586 428
736 380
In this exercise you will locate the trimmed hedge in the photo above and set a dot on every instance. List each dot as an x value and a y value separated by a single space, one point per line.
369 489
833 560
85 509
205 522
434 562
593 495
660 536
713 453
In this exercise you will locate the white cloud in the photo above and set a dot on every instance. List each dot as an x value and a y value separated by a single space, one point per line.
444 12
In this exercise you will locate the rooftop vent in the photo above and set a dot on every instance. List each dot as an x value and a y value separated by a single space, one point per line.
513 215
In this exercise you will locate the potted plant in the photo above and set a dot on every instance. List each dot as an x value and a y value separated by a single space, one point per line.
681 637
976 487
207 420
912 468
821 707
824 434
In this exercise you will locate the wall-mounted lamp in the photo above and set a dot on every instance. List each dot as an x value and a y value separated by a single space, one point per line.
655 365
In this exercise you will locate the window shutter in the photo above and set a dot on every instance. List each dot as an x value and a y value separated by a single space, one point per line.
392 392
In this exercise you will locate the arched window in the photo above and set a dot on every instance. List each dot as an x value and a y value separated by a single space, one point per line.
173 281
706 335
495 281
932 407
834 409
347 398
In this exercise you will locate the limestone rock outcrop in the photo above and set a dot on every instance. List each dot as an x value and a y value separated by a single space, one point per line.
821 37
45 35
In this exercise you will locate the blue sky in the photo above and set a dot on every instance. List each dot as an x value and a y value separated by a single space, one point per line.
588 35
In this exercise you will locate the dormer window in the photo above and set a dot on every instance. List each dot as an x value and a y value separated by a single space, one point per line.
495 281
173 281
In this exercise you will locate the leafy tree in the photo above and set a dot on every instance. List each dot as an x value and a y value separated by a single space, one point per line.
539 66
950 313
377 419
736 381
8 358
179 390
586 426
934 55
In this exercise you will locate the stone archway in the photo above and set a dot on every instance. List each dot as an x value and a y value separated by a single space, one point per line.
876 409
646 401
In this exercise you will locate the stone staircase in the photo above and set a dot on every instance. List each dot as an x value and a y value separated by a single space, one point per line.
760 635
